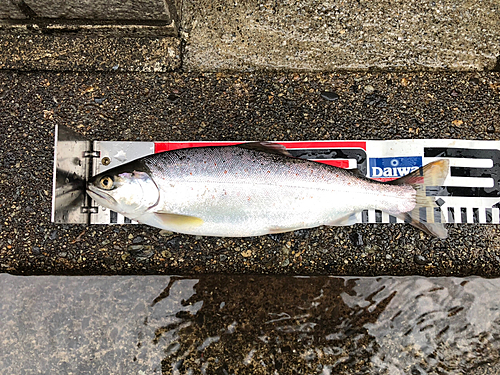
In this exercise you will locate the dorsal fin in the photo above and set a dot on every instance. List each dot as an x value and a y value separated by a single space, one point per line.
269 147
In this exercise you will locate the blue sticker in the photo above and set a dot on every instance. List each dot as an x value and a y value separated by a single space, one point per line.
394 167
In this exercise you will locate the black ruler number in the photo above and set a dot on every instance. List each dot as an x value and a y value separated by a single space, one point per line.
465 191
357 154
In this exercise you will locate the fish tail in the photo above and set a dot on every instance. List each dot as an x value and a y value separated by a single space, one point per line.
432 174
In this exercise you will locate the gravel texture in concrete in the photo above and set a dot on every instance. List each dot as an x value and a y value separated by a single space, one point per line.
38 51
10 10
153 10
341 35
192 106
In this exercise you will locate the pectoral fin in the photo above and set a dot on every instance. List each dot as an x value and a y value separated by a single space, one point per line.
179 221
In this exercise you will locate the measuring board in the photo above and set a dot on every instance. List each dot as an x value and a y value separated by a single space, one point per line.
470 193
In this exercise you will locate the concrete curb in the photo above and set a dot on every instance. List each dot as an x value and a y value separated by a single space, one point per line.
336 36
94 35
89 53
260 35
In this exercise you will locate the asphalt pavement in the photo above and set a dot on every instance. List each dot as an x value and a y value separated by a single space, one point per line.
234 106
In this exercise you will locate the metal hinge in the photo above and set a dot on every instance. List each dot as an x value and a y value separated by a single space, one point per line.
92 154
89 210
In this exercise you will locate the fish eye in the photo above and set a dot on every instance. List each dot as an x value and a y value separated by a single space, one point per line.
106 183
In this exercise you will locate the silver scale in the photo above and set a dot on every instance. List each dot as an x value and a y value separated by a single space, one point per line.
76 159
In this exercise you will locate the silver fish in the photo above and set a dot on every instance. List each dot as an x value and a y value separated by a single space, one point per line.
255 189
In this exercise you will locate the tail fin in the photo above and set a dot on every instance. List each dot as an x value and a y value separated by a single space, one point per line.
432 174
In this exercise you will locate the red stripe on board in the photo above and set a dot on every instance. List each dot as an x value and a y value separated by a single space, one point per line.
324 144
169 146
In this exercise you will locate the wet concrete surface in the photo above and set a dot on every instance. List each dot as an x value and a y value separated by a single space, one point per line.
223 324
78 325
246 106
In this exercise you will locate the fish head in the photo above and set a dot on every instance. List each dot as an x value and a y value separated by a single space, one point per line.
128 191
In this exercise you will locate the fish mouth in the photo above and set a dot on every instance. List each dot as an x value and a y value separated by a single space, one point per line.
98 195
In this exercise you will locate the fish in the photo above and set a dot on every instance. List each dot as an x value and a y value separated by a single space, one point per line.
255 189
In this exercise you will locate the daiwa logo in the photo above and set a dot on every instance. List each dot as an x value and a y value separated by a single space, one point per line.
394 167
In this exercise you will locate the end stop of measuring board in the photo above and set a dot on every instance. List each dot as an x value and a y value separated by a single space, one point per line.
73 156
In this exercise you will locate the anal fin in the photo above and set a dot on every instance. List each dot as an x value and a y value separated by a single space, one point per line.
275 230
344 220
